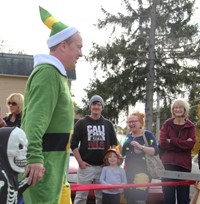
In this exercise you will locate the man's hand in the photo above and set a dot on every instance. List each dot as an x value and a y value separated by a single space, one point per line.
83 164
34 172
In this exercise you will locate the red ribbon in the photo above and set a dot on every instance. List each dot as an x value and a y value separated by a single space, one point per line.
87 187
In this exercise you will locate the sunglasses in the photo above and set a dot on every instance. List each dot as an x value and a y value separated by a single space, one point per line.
12 103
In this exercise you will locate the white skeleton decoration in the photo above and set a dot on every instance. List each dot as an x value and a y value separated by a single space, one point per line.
13 148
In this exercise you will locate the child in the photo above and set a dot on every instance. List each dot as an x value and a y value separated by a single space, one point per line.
113 173
13 150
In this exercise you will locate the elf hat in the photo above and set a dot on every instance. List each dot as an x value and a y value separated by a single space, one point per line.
59 31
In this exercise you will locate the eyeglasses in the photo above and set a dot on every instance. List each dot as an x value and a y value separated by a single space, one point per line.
12 103
178 107
132 121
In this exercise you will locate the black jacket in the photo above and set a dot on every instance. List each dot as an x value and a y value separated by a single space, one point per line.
16 123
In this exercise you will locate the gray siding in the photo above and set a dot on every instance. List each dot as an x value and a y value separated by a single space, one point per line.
21 65
16 64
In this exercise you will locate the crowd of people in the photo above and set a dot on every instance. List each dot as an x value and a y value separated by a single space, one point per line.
95 146
46 114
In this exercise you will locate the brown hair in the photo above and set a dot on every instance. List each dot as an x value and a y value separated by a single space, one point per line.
107 154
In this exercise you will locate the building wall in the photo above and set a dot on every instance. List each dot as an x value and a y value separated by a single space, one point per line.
14 72
8 85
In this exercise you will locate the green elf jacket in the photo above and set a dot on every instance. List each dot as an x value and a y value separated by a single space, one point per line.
47 120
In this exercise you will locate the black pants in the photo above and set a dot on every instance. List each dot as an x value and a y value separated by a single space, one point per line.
175 194
110 198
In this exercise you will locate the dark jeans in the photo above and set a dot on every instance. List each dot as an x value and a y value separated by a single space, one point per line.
21 200
173 193
135 196
110 198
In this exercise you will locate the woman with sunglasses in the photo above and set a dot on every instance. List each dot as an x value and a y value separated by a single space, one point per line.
15 103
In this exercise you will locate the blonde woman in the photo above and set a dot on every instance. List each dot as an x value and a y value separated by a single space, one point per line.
134 150
177 138
15 103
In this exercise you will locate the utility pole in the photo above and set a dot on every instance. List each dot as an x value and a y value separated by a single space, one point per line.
150 67
158 116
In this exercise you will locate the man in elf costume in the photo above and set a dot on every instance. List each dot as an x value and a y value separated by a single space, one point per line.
48 115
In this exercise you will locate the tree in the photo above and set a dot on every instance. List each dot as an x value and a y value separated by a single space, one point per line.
197 144
5 48
152 50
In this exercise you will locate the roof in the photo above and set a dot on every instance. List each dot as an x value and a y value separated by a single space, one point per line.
15 64
21 65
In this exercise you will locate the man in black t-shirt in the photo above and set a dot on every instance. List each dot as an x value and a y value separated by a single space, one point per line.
92 136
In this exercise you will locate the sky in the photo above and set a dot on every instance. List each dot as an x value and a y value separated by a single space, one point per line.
23 30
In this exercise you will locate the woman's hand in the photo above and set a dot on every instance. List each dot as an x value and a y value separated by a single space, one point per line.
136 145
2 122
